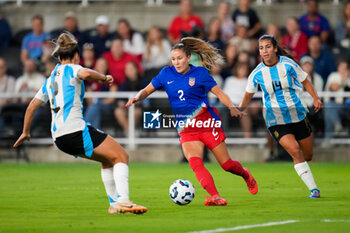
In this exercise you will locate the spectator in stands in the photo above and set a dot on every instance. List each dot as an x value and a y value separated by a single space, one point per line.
342 33
307 64
88 58
133 82
214 34
273 29
30 81
313 23
100 106
70 24
234 87
117 59
133 42
48 47
157 53
50 65
102 39
227 25
5 32
184 22
339 82
242 41
32 44
295 41
230 55
245 16
246 57
324 61
7 85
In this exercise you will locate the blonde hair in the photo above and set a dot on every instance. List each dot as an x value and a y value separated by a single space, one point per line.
66 46
209 55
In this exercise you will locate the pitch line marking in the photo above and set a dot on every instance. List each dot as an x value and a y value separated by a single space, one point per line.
246 226
335 220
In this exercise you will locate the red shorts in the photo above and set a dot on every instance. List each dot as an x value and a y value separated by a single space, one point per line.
210 138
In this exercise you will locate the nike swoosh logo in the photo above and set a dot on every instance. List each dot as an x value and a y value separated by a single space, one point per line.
170 82
217 138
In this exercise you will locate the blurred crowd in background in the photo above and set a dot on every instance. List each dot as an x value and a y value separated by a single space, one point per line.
133 58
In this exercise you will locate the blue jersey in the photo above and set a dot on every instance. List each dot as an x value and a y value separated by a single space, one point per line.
34 43
281 86
187 93
65 91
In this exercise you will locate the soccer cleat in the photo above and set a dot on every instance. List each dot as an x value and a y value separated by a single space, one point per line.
215 200
251 183
112 210
315 193
130 207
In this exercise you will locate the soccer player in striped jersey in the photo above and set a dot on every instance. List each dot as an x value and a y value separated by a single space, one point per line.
281 80
187 86
65 89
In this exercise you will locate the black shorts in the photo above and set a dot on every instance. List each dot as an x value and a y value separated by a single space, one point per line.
300 130
81 142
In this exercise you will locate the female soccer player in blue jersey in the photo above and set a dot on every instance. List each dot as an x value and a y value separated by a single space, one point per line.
199 124
281 80
65 89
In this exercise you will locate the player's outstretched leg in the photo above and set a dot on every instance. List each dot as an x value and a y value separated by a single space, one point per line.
299 151
109 152
222 156
108 181
305 174
236 168
206 180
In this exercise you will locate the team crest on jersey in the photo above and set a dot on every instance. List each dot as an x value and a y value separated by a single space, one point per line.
283 74
191 81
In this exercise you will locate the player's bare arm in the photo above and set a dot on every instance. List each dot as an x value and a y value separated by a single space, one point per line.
246 100
32 107
141 95
309 88
226 101
89 74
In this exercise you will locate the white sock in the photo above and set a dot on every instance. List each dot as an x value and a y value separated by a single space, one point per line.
121 179
305 174
108 181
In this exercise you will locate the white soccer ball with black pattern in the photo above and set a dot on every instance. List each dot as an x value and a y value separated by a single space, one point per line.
181 192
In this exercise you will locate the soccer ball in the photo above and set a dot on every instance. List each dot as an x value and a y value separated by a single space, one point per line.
181 192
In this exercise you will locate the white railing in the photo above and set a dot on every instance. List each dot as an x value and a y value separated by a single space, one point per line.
85 3
132 141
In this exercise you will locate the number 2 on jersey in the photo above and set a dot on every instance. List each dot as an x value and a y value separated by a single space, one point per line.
181 92
54 85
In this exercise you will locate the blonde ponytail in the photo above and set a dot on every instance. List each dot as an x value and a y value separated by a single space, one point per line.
208 54
66 46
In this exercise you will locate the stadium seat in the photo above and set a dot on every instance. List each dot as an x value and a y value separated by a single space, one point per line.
13 116
12 58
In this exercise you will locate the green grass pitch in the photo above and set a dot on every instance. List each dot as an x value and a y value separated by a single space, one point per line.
49 198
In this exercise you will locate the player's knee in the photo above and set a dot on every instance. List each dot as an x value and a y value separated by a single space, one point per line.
295 151
120 158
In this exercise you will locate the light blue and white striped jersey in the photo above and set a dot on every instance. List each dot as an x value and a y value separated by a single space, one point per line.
281 86
65 91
